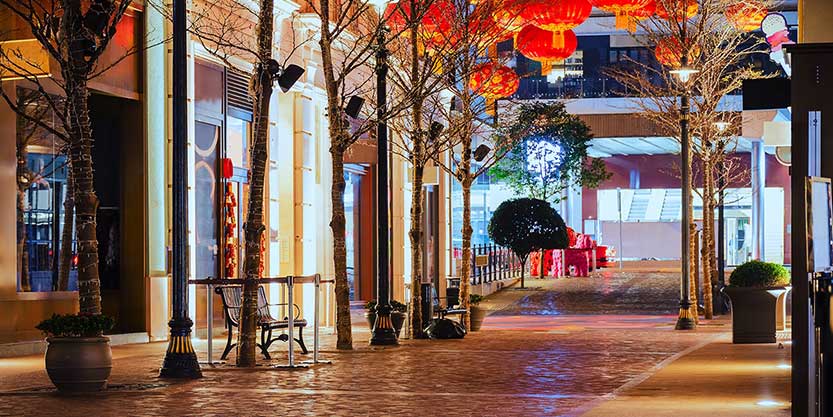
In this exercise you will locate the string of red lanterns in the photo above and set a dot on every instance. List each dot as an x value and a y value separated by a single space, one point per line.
746 15
557 17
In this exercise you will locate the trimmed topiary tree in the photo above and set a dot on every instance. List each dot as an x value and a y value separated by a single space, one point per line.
759 274
525 225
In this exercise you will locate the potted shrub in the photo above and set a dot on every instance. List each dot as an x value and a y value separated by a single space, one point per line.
397 315
78 357
754 288
477 313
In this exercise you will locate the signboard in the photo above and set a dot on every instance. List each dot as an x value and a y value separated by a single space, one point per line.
481 260
819 224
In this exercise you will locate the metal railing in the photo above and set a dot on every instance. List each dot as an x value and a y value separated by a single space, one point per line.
500 264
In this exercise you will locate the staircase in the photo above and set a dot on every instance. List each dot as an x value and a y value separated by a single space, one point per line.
671 205
639 205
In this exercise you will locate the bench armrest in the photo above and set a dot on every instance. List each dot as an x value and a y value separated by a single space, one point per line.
297 309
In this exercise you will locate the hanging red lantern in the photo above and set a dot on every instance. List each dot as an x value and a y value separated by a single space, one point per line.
676 9
746 15
668 52
536 44
627 12
642 14
436 19
492 81
557 16
510 17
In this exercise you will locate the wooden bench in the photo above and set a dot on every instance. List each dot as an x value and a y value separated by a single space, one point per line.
232 298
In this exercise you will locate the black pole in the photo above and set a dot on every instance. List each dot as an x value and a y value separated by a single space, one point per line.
383 332
180 358
685 321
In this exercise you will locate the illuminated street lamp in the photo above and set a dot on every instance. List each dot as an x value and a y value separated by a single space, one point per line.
383 331
722 306
685 321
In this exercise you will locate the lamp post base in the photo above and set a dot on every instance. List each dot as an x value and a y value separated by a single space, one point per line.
685 321
383 332
180 358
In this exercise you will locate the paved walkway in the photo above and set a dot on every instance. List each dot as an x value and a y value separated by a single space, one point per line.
563 363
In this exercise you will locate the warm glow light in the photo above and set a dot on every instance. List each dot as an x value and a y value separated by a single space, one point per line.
684 73
768 403
784 366
722 126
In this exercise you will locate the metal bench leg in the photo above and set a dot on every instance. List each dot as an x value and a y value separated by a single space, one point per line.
264 344
300 340
229 345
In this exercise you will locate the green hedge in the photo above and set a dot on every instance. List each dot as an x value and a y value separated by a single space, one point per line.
758 274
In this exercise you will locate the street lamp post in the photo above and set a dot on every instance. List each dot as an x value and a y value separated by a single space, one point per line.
383 332
685 321
180 358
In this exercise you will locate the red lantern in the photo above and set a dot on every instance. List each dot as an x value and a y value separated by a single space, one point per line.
436 19
493 81
643 13
557 16
669 51
228 168
627 12
676 9
746 15
536 44
510 17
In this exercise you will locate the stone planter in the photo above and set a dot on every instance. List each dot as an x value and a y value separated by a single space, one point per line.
79 364
477 316
754 313
398 319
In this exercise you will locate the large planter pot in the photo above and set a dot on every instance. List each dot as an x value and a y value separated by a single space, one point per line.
398 319
477 316
79 364
753 313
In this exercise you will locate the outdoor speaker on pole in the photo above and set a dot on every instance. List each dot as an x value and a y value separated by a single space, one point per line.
289 76
354 106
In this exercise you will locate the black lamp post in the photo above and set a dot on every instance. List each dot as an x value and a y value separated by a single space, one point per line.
180 358
383 332
685 321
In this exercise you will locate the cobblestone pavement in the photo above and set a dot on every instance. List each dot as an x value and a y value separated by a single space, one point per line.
518 365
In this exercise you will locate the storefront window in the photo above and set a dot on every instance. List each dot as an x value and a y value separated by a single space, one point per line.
41 193
237 141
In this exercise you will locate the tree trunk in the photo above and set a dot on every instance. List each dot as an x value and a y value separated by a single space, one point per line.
86 201
692 265
465 273
338 225
22 250
541 261
708 229
247 335
65 265
523 268
416 252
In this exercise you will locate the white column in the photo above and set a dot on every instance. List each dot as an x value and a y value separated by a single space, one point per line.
156 120
758 173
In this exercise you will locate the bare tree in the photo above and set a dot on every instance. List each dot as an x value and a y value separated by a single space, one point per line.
721 54
74 34
468 103
224 28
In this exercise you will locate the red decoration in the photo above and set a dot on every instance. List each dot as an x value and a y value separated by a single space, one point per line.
437 19
493 81
676 9
230 247
536 44
557 17
228 168
627 12
746 15
510 16
668 52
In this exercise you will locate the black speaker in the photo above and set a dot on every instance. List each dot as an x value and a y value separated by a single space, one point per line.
354 106
289 76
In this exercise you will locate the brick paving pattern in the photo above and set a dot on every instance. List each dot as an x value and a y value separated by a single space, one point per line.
518 365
